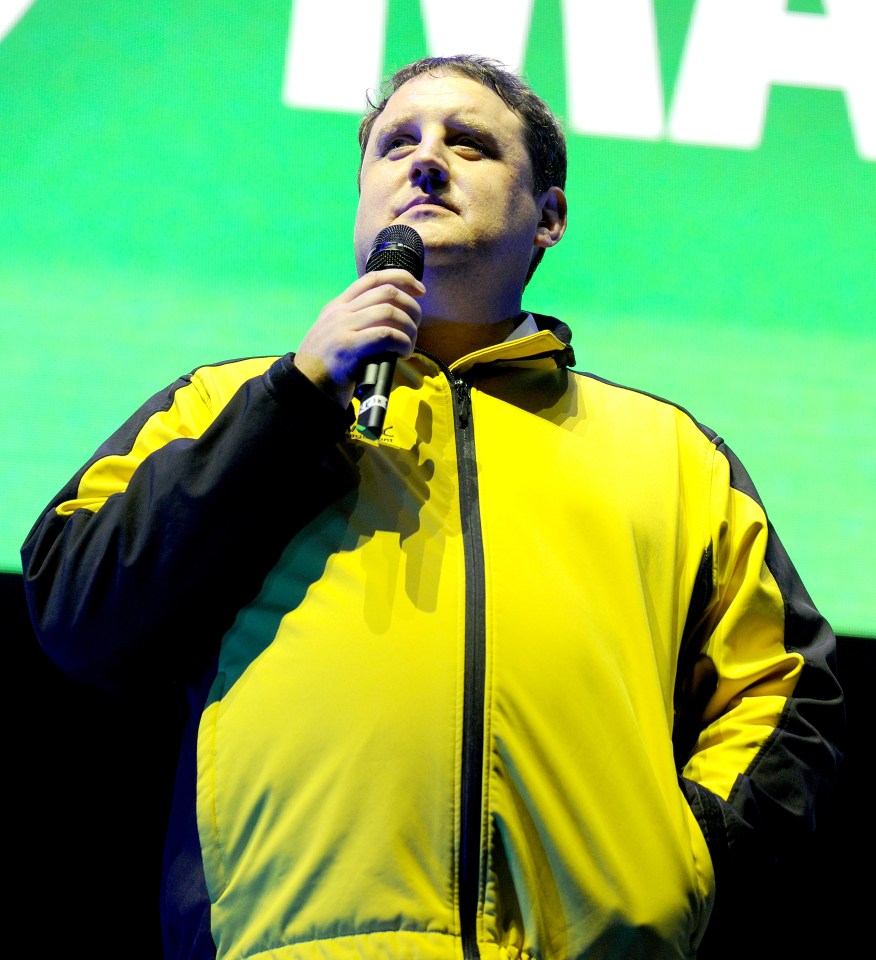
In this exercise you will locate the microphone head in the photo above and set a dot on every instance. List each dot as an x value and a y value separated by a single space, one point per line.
397 245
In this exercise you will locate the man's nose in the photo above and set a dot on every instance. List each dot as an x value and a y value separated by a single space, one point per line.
429 165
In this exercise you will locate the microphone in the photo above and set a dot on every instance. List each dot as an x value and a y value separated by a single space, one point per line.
397 245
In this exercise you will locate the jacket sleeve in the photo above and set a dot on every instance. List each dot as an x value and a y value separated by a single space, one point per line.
759 710
141 562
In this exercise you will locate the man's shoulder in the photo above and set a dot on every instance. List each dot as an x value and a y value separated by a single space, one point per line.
222 375
621 399
239 366
636 404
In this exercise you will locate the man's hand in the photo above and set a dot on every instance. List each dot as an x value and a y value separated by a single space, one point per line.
376 313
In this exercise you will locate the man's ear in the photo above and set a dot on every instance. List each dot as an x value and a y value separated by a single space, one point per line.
552 224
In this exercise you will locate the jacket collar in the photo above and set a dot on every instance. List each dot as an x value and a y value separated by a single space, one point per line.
551 347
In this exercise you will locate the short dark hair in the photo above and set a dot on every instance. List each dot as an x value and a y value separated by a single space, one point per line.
542 130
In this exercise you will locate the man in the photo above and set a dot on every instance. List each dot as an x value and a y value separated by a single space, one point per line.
529 676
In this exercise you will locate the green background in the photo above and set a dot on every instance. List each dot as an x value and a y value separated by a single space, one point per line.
160 207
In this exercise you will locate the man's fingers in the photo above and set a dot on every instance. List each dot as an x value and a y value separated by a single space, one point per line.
400 279
385 327
377 313
386 304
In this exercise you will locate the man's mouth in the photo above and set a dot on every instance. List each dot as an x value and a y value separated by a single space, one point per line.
425 200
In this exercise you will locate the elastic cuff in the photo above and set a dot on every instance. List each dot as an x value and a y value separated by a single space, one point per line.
291 389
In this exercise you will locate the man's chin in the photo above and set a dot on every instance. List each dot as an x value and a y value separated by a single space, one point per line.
439 234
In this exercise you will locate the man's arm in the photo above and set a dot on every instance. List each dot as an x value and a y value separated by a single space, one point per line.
141 562
760 717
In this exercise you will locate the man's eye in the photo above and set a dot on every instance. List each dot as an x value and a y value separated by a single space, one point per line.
395 143
470 143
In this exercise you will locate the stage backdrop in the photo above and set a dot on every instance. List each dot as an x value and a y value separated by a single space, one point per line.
177 186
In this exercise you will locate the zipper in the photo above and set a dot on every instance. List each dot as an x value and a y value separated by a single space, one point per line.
471 799
462 405
471 775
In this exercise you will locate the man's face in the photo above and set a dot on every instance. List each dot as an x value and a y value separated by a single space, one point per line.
447 157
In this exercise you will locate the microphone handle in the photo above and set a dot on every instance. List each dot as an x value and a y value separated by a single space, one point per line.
373 392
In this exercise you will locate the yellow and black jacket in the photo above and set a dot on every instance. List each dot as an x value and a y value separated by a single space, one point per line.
531 677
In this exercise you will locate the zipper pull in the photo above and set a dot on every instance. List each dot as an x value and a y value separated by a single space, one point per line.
463 396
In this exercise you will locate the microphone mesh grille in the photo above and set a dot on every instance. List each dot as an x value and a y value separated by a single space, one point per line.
397 245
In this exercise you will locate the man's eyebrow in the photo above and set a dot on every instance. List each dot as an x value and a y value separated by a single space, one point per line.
463 123
472 124
385 129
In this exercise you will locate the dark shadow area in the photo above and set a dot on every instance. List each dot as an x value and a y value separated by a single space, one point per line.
90 785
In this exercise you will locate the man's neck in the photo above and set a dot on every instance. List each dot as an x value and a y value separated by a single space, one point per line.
463 316
448 340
